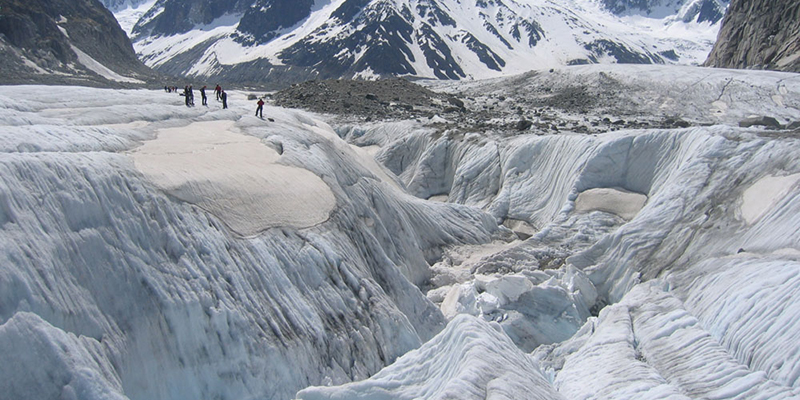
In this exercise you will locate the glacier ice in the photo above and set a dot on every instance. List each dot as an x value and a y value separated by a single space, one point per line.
687 315
156 298
114 285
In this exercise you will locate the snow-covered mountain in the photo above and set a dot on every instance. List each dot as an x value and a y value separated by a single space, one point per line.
291 40
153 250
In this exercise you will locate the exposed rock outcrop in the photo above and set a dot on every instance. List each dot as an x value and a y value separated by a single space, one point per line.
52 41
759 34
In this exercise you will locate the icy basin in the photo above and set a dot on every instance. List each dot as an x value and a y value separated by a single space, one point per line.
616 201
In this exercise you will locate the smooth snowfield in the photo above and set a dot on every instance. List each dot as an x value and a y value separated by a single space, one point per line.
235 177
114 287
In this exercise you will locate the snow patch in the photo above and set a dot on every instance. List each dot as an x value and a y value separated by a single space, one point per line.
235 177
100 69
621 202
764 195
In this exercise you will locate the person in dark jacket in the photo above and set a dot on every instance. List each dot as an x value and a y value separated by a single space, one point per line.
203 95
260 109
224 97
186 95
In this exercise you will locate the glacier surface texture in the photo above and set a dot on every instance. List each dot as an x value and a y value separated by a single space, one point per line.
154 251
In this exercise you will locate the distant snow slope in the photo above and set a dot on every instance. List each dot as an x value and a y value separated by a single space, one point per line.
444 39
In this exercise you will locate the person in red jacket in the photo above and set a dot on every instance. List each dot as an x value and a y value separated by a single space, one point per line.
218 91
260 108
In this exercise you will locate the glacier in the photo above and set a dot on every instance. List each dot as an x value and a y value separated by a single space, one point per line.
152 250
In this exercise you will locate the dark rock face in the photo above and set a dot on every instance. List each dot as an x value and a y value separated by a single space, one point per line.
36 38
623 54
759 34
182 16
265 17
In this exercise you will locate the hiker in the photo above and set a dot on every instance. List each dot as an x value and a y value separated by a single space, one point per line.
218 91
203 95
224 97
191 96
260 108
186 95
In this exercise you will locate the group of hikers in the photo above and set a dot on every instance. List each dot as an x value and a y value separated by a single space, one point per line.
188 95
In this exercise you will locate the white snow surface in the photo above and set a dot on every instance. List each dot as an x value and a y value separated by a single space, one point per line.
111 287
204 162
470 359
128 13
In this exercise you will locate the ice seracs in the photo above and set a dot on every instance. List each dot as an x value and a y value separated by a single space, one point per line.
711 205
470 359
114 286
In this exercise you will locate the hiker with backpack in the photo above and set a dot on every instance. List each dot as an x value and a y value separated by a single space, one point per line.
260 108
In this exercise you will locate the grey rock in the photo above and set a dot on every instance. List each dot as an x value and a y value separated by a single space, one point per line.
523 125
456 102
759 34
760 121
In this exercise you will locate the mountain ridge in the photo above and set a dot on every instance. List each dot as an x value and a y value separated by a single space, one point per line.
444 39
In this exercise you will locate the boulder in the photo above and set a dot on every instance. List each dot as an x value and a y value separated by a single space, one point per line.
456 102
760 121
523 125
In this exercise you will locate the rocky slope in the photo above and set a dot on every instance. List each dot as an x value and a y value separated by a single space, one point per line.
759 34
65 41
